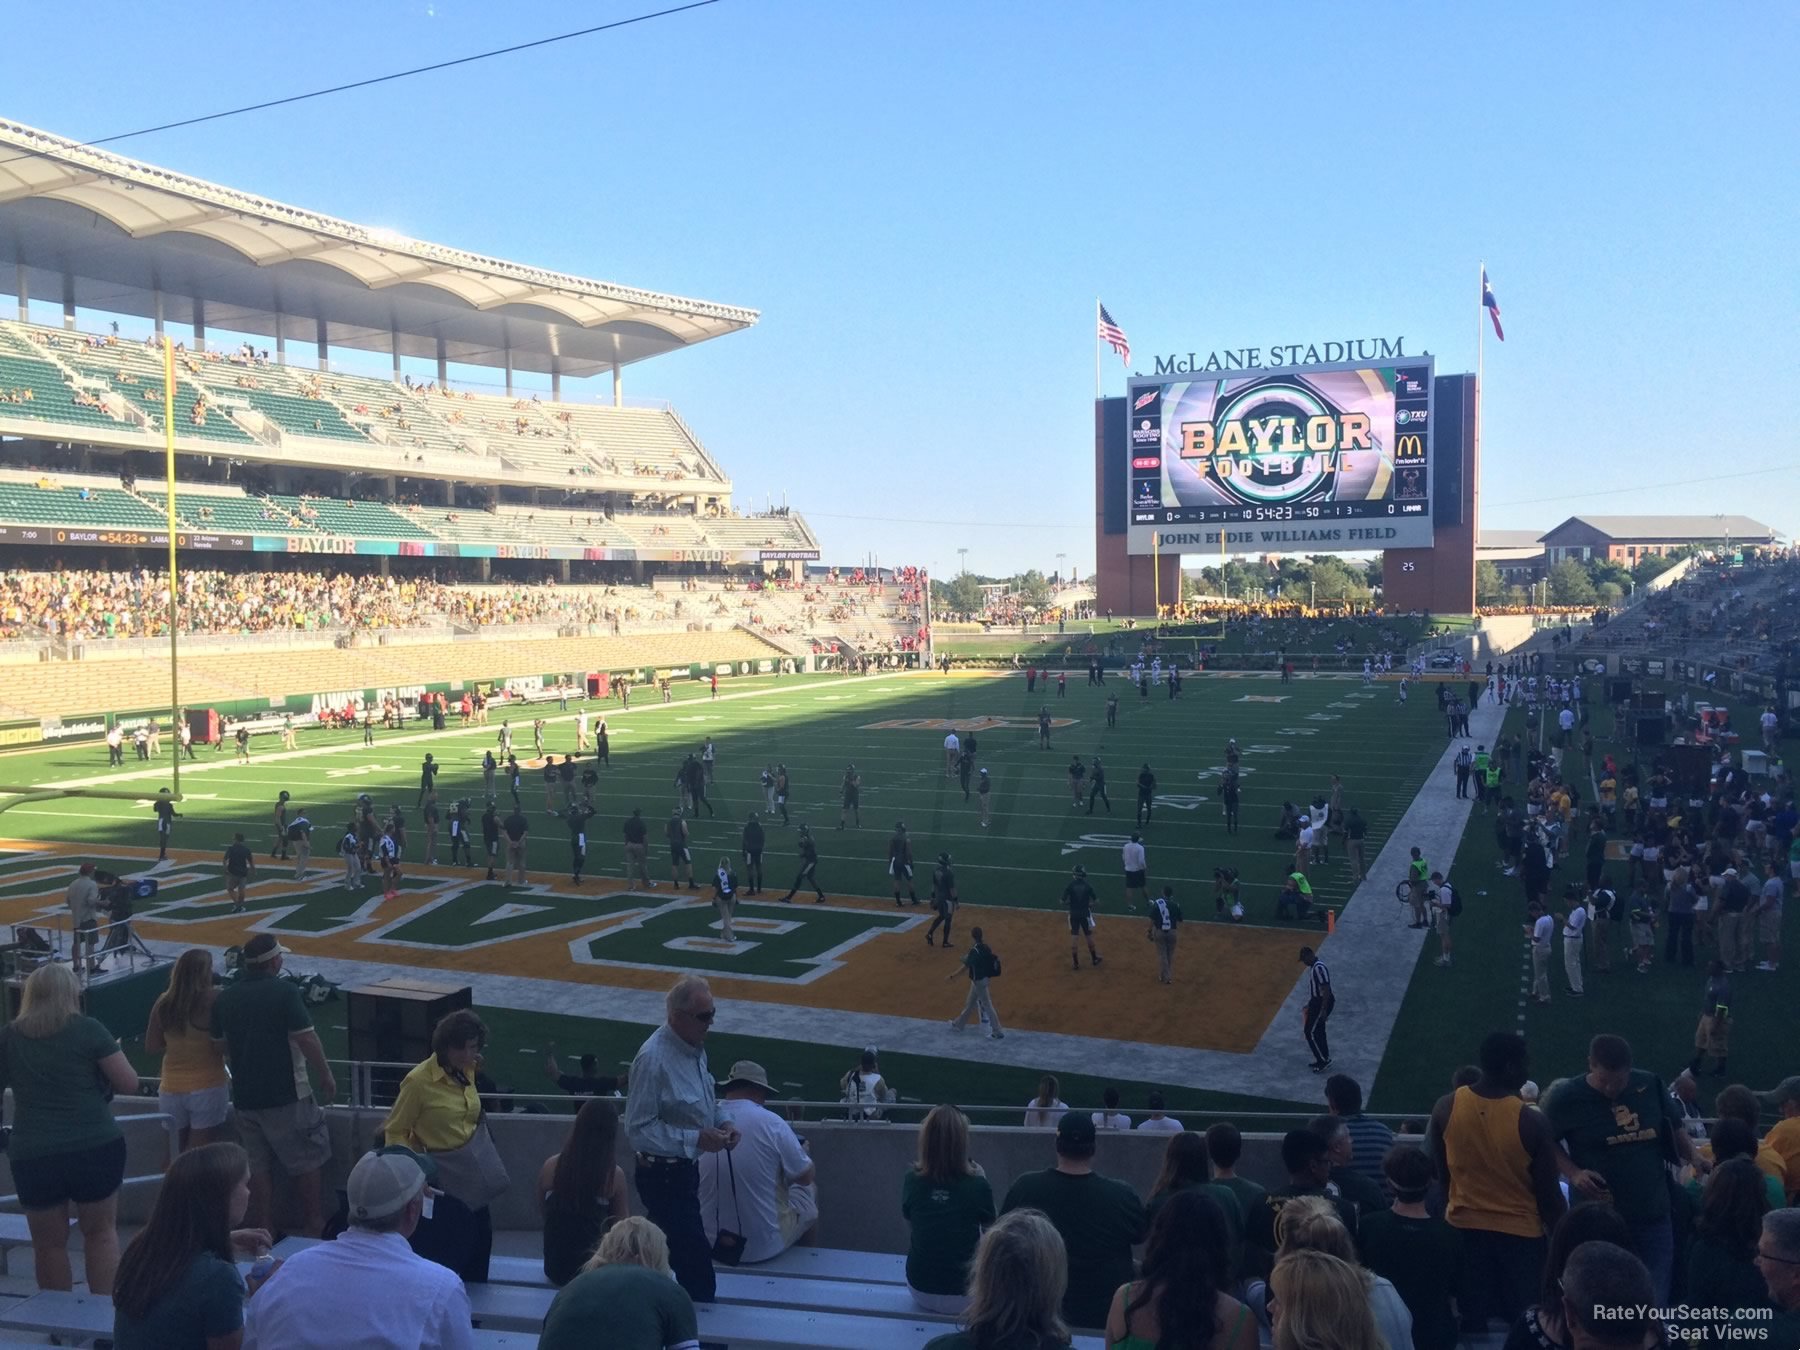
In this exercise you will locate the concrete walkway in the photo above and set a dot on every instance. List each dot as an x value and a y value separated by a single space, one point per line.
1372 955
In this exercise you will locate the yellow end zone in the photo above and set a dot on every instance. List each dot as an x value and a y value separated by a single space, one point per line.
1229 981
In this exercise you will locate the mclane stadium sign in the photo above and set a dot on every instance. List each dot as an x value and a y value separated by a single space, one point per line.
1283 354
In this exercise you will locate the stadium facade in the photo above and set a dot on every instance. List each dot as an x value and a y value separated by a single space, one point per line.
279 456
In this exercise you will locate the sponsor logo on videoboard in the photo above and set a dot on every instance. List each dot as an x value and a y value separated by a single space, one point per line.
1145 399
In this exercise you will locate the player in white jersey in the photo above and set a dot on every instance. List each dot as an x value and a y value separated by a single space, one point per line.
1156 671
1368 671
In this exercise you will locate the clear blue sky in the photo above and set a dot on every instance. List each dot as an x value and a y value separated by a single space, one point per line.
924 200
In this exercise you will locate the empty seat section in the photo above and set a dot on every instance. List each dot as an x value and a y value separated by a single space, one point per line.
366 520
136 372
58 504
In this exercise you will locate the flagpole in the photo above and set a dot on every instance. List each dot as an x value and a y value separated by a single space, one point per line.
1096 349
1480 339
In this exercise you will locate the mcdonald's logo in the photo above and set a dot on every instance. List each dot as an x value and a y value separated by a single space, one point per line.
1410 448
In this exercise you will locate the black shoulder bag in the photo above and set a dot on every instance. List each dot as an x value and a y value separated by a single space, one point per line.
727 1247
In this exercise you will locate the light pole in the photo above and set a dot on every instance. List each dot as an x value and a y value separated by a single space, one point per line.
1059 567
963 560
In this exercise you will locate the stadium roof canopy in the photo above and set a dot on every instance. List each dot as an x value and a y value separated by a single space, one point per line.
93 229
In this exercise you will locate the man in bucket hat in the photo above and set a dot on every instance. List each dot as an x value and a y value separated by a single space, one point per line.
762 1191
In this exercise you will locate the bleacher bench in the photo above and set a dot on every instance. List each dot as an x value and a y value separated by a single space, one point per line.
523 1307
830 1263
14 1231
800 1263
745 1328
79 1318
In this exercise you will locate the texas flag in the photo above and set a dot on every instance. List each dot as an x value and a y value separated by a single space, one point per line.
1491 305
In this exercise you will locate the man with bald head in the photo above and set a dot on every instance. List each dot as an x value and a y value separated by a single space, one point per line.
671 1118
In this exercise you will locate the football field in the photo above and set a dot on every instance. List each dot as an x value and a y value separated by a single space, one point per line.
803 983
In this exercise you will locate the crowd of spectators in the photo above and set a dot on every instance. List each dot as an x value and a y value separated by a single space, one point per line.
1740 616
90 604
1568 1217
77 603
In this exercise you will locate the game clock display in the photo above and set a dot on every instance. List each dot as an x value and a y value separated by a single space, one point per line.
1309 444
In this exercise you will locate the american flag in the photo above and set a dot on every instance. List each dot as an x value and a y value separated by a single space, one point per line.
1115 336
1488 302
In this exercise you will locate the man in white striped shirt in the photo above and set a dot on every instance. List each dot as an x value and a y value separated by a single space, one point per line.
1320 1000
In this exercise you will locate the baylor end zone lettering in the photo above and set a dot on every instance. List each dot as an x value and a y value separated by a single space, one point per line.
801 947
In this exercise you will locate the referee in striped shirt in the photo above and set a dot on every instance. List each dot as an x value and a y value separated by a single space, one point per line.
1320 1000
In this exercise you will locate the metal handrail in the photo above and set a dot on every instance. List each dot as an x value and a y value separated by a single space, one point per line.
361 1097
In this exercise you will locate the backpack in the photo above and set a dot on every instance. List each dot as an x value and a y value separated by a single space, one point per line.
296 831
993 964
1456 903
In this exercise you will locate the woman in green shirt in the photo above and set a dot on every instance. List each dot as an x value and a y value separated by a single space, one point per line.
947 1201
624 1298
178 1286
1180 1303
65 1149
1016 1289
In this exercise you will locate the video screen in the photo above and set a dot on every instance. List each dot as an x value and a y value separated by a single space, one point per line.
1317 445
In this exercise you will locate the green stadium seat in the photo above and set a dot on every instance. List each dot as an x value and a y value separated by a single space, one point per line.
361 520
26 503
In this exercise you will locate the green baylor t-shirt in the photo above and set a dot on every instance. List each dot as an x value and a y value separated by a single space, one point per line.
59 1096
256 1018
946 1219
1620 1138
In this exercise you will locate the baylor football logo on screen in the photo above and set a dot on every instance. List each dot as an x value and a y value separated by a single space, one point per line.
1274 442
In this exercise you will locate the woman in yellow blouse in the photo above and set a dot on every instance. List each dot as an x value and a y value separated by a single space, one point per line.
194 1089
438 1111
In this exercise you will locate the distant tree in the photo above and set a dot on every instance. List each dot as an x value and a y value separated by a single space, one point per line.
1372 570
1570 584
1326 578
1653 565
961 594
1609 593
1490 586
1602 570
1033 589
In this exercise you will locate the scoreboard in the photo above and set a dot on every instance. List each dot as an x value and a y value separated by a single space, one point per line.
1311 459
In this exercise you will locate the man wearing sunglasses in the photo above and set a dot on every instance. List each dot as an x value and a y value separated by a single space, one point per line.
671 1118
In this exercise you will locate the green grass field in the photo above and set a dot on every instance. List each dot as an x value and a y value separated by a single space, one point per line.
817 726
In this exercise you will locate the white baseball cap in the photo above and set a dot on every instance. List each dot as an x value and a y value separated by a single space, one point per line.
383 1184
